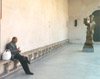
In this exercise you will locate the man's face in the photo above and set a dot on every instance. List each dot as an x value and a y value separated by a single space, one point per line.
15 40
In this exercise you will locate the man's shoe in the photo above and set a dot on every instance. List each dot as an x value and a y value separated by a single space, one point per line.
30 73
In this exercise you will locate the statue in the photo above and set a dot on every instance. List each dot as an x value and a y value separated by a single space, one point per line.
89 22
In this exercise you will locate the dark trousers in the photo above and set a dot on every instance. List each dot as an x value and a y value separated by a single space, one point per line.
23 62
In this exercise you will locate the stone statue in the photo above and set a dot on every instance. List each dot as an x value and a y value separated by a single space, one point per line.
89 22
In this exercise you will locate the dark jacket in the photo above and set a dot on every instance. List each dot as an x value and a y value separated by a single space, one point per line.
13 49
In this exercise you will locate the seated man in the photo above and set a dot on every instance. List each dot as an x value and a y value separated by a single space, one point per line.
15 52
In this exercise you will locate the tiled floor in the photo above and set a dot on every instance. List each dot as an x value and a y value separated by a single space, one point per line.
67 62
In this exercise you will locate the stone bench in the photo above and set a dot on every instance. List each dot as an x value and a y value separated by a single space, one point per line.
7 67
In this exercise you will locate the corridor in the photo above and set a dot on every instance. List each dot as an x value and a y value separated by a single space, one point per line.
67 62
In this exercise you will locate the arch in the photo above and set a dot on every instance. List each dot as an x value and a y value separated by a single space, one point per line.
96 35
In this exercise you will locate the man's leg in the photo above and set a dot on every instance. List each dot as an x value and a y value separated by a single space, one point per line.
23 63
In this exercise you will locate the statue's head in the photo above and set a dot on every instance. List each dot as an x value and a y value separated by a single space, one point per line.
91 18
88 20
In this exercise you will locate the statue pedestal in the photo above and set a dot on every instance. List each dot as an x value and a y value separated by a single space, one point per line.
88 49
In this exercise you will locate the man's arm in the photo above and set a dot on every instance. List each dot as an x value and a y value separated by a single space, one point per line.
12 48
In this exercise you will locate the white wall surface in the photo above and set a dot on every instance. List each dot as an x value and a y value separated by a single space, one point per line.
36 23
0 34
79 9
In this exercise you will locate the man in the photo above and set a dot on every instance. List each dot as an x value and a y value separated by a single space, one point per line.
15 52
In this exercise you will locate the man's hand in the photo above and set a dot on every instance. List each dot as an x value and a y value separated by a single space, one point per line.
19 49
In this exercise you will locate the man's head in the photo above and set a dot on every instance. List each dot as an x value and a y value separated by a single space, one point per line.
14 39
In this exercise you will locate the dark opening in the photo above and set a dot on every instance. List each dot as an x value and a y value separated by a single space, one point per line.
75 23
96 35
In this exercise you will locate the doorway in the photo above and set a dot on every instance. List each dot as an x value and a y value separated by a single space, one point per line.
96 35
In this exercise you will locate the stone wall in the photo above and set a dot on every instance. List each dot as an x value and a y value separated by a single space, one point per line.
36 23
